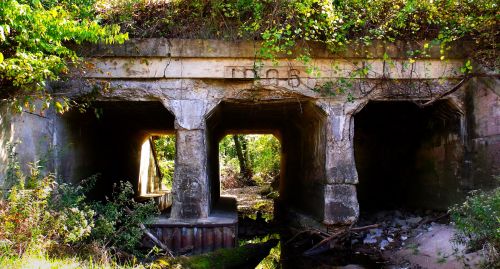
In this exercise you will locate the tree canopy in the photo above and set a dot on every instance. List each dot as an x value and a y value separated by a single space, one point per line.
36 38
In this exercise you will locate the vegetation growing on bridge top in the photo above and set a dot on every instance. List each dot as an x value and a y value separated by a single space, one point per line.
36 36
338 24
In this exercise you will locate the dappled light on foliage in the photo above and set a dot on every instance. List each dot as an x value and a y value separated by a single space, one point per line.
259 155
165 152
35 47
256 184
478 224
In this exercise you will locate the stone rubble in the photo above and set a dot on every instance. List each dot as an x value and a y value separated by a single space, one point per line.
395 227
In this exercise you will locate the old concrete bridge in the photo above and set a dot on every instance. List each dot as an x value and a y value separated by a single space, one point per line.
364 147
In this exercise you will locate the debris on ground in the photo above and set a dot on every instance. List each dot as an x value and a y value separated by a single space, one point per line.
412 239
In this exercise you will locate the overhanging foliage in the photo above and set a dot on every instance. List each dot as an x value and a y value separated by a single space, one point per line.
35 38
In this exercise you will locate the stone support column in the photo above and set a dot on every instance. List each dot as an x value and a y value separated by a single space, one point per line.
190 190
341 203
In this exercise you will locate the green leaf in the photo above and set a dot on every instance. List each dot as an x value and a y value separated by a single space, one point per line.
1 57
59 107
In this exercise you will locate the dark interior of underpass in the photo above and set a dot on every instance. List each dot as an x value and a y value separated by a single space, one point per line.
298 125
108 138
407 156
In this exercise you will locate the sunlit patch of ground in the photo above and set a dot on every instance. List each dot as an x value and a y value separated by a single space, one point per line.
35 261
252 200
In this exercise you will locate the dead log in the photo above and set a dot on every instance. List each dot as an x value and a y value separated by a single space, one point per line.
362 228
332 239
151 236
325 244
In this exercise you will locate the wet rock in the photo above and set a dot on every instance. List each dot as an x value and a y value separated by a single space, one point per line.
352 266
384 244
400 222
369 239
414 220
376 232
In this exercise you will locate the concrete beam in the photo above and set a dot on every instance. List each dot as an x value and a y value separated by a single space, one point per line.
239 68
210 48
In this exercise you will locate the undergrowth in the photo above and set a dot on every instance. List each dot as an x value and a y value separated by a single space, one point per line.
478 225
43 219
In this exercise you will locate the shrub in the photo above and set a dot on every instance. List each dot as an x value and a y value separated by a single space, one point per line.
40 216
32 220
117 219
478 224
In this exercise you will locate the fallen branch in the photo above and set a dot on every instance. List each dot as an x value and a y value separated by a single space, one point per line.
151 236
362 228
296 235
423 222
446 93
324 244
321 246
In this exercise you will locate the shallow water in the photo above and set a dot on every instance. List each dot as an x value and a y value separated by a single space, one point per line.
291 256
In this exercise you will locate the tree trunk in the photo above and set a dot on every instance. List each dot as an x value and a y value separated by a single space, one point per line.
242 153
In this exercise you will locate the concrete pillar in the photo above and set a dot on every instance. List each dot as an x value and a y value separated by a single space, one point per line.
190 190
190 186
341 203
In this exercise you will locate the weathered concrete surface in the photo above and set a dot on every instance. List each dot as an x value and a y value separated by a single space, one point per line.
340 162
32 137
211 88
483 143
243 68
341 204
190 188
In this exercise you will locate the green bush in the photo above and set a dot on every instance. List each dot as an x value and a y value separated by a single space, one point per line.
265 153
478 224
38 215
34 218
37 39
117 219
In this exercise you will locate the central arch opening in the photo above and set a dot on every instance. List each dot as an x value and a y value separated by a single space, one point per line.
250 172
300 127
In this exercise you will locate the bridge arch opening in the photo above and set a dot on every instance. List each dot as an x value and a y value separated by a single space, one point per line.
109 139
408 156
300 127
250 171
